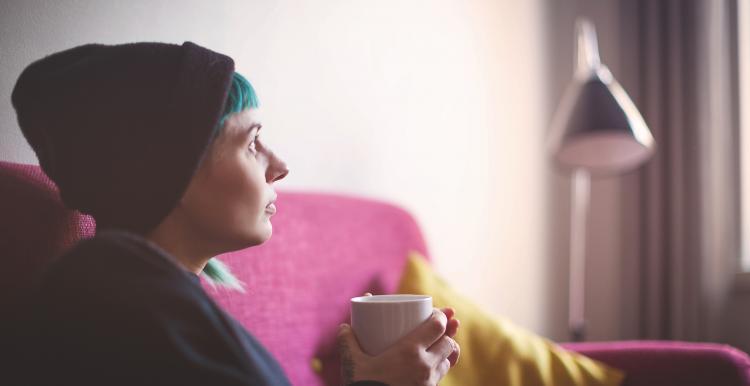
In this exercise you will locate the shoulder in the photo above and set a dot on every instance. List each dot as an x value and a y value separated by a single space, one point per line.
114 305
117 256
114 249
115 267
109 286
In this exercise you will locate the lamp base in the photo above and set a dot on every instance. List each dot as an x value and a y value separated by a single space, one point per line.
578 333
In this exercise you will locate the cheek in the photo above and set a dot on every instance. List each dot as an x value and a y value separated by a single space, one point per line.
233 201
246 192
240 188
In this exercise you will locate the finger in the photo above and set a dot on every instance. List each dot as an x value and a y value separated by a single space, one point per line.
367 294
443 368
452 328
453 358
449 312
429 332
442 349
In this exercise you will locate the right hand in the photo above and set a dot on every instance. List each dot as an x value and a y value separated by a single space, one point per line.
421 358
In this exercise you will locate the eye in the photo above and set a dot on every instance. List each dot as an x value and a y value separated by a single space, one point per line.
251 146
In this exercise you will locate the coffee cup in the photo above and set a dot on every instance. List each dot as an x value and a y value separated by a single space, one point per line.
380 321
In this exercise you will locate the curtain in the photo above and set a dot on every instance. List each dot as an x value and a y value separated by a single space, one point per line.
683 207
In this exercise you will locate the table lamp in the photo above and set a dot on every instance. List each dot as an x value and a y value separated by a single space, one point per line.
595 131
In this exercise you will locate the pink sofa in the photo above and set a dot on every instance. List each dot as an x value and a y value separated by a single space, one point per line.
325 249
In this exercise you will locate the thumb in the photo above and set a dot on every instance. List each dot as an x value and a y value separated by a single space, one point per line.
347 342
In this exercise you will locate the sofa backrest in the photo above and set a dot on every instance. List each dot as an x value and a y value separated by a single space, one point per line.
325 249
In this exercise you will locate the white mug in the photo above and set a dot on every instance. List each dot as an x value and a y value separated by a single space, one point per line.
380 321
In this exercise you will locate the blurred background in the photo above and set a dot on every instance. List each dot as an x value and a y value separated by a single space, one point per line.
443 107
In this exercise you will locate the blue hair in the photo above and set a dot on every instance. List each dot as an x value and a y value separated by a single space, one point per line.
241 97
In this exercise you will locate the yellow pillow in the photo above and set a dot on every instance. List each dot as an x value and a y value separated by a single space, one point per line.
496 352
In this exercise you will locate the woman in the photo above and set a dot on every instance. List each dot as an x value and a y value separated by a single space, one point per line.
160 144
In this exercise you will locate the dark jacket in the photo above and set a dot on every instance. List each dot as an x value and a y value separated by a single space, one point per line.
116 310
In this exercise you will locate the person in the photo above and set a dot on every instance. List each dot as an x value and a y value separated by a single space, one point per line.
161 144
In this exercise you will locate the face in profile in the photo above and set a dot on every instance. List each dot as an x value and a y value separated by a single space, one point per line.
230 200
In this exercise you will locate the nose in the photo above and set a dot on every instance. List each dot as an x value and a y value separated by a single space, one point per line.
277 168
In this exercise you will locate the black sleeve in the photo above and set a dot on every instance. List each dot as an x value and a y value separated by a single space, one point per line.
107 318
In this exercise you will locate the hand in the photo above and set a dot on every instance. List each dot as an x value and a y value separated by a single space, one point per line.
423 357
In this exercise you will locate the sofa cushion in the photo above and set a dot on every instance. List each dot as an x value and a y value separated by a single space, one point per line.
495 351
671 363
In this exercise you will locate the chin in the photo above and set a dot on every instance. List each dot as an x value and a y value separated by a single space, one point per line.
247 235
259 235
265 236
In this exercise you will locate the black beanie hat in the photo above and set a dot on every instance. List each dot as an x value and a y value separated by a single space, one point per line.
121 129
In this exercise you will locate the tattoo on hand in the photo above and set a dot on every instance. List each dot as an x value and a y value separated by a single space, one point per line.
347 363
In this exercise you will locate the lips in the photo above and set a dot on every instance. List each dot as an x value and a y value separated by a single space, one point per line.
271 208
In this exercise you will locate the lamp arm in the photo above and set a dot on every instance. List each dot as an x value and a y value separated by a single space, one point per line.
587 48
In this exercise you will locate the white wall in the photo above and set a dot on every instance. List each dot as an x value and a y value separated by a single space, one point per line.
434 104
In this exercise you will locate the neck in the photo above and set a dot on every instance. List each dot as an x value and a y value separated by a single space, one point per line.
184 248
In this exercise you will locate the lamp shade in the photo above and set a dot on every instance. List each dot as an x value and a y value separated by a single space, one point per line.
596 126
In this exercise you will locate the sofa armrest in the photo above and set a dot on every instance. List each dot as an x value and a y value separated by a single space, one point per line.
669 363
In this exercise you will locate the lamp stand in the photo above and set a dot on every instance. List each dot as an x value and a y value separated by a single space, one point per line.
580 196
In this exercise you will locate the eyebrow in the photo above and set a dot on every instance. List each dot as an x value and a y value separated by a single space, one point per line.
253 126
